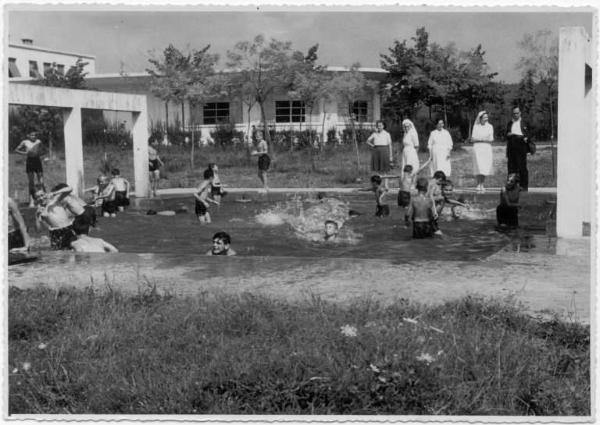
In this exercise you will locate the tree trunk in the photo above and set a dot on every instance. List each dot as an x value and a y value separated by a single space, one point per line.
354 138
183 114
263 117
192 154
167 119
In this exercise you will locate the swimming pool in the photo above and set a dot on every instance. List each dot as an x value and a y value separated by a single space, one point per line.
273 225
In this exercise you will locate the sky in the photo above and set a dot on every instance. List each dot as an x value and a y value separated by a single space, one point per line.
125 39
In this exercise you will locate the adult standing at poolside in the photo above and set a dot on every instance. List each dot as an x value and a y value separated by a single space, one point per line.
264 160
31 147
410 144
482 137
517 137
380 143
440 146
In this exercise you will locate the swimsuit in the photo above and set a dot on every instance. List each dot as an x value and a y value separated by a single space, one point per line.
33 164
382 211
109 207
403 198
61 238
154 165
201 208
217 190
121 199
423 229
15 239
264 162
86 219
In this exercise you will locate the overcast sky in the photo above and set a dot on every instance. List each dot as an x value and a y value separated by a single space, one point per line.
123 39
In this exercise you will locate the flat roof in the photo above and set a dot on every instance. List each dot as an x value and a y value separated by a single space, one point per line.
46 49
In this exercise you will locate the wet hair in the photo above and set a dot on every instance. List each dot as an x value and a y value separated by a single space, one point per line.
376 179
332 222
115 172
222 236
408 168
208 174
439 175
59 187
80 228
422 184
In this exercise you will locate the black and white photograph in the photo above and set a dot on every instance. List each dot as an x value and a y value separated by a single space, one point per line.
406 197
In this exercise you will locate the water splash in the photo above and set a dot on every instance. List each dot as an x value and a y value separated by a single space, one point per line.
307 219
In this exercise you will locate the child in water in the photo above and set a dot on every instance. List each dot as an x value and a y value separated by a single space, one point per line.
381 210
56 218
220 245
121 189
84 214
85 243
216 189
507 213
422 212
331 230
203 198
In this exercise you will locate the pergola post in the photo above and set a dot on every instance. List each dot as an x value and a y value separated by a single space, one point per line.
140 153
73 148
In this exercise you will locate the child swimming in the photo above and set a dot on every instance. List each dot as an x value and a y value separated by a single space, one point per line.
331 230
221 242
85 243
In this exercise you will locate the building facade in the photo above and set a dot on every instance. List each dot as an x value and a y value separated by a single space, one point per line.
27 60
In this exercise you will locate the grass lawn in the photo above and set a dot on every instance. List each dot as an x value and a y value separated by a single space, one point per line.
86 351
334 167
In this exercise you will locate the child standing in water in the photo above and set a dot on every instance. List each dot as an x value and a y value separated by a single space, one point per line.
121 189
507 213
203 198
382 209
55 218
422 212
216 189
264 160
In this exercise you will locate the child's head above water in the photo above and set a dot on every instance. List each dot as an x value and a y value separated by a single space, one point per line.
375 180
220 242
331 229
440 176
208 174
422 184
408 168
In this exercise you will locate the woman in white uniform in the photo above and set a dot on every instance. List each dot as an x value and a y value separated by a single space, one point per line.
440 146
410 144
482 138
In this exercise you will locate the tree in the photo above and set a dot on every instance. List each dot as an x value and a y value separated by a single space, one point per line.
540 58
261 67
527 93
349 87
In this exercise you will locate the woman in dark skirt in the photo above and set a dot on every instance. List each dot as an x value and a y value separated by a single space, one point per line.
264 160
381 154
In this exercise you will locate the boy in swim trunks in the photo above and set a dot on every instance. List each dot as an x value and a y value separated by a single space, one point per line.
83 214
381 209
220 245
55 218
18 238
264 160
203 198
121 186
422 212
31 147
104 196
85 243
154 164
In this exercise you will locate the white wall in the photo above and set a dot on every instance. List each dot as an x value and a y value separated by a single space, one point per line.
23 54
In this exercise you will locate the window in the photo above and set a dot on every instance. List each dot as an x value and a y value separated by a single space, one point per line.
13 71
359 110
33 69
289 111
47 68
60 69
216 112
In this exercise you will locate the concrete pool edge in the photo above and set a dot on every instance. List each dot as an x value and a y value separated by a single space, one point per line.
547 286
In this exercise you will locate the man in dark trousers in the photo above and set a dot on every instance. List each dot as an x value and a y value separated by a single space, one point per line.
517 147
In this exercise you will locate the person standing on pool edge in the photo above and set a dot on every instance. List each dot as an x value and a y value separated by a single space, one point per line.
517 147
32 147
264 160
154 164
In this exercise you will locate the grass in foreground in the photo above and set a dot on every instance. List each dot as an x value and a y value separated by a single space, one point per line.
74 351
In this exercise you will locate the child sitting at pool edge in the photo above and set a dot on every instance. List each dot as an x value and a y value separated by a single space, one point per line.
221 242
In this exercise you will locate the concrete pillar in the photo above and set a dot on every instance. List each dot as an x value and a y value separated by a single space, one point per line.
575 186
140 153
321 115
376 106
73 149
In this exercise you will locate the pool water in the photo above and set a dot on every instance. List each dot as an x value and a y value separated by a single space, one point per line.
291 225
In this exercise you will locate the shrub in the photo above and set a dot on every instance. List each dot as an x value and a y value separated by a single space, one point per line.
225 134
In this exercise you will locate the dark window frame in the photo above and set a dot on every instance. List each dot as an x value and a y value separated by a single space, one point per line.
216 113
290 111
360 110
34 70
